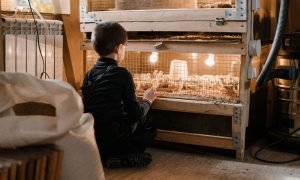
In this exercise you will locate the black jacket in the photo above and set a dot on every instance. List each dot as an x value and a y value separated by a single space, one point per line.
112 101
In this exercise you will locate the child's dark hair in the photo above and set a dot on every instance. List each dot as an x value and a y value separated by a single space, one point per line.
107 36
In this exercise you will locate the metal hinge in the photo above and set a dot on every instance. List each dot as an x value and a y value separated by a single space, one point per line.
84 15
236 117
239 13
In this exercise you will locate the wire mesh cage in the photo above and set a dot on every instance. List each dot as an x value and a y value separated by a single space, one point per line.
154 4
100 5
205 77
216 3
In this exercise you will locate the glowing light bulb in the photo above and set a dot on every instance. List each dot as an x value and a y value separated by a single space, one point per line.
153 57
210 61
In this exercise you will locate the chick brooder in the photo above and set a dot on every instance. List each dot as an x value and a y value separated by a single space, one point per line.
198 59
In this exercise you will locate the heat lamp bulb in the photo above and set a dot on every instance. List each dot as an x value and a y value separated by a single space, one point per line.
210 61
153 57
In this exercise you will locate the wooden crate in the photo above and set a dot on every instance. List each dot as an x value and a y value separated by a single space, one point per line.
31 162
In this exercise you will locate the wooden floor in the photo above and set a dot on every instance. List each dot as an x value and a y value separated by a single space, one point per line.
181 165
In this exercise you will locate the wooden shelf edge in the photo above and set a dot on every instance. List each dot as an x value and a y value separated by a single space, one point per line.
194 106
179 26
187 47
195 139
160 14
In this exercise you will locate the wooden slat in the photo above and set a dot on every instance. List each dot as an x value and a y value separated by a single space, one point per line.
194 106
177 26
195 139
1 47
164 15
188 47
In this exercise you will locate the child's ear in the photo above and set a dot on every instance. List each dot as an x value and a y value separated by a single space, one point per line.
117 49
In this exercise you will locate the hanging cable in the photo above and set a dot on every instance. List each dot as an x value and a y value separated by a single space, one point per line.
44 72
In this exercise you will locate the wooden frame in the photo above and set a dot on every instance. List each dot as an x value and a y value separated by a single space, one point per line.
194 106
177 46
196 139
236 20
184 26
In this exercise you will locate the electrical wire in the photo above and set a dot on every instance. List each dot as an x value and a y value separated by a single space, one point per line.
275 143
38 42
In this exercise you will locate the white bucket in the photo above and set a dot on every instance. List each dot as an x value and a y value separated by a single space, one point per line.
178 70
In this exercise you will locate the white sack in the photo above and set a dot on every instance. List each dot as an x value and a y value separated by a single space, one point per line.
70 129
18 88
81 155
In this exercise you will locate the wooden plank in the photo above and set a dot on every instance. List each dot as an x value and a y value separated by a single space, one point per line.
2 64
188 47
194 106
239 129
72 55
165 15
195 139
178 26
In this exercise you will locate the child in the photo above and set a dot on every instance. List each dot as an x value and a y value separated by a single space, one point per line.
122 129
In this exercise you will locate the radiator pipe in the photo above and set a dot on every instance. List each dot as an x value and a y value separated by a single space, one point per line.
278 39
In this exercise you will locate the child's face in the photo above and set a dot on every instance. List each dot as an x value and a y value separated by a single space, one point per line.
121 52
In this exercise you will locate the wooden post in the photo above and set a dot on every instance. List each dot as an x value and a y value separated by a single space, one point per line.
72 55
1 46
239 127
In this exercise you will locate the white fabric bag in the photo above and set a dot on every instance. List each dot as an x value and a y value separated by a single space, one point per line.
70 129
81 155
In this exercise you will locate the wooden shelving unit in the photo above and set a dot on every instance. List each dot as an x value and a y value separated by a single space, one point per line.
219 20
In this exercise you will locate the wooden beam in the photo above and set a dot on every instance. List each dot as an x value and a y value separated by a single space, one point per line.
194 106
178 26
165 15
73 56
195 139
239 129
188 47
2 64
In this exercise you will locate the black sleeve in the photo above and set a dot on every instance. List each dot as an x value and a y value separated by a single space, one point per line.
85 86
136 110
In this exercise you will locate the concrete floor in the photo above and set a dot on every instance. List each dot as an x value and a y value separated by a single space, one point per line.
170 164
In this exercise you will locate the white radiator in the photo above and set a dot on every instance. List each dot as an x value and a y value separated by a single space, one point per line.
22 52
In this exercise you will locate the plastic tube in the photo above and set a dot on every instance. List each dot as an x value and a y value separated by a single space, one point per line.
278 39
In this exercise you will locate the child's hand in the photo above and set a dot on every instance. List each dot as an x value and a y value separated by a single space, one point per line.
150 94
